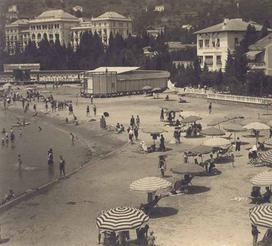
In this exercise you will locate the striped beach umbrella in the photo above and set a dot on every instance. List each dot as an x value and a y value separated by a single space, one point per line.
121 219
150 184
262 179
261 215
266 157
268 141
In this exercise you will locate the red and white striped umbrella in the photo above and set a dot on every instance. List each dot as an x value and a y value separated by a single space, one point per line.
121 219
262 179
261 215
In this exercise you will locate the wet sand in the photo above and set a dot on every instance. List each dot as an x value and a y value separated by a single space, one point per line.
215 214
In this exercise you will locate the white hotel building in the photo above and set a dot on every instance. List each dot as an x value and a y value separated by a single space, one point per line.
58 24
214 42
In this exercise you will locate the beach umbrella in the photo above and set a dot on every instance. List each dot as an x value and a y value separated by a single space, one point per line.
257 126
266 156
262 179
216 142
269 123
268 141
153 130
212 131
173 109
261 215
7 86
150 185
147 88
190 119
187 169
232 127
201 150
121 219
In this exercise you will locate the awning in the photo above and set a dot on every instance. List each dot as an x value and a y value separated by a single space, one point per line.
251 55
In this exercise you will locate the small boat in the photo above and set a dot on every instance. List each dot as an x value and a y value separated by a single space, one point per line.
20 124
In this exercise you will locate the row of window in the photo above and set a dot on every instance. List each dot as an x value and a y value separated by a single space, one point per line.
44 27
206 43
45 36
11 30
215 43
114 24
209 60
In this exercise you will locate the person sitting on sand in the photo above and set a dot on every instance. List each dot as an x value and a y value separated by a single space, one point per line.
148 206
9 196
118 128
267 195
122 128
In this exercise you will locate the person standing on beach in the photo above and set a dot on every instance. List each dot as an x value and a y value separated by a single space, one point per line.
255 233
132 122
62 166
162 143
19 161
7 138
91 99
138 121
238 145
136 133
23 103
130 135
94 109
210 108
50 159
72 138
88 111
162 164
162 115
35 108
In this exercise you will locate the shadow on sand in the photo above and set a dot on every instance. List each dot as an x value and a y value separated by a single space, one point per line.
196 189
160 212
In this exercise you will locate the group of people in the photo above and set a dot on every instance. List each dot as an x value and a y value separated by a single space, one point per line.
7 137
193 130
50 162
88 110
111 238
133 129
257 197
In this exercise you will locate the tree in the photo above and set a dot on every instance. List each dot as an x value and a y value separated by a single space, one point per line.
264 31
230 65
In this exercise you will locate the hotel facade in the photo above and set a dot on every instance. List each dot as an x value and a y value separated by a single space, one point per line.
60 25
213 43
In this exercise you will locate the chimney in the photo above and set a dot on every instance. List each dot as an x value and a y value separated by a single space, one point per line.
226 21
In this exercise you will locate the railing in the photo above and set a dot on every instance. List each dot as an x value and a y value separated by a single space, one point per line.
256 65
242 99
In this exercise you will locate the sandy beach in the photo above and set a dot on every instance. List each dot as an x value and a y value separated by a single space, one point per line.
214 214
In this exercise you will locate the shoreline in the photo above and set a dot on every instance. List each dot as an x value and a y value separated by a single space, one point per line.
56 122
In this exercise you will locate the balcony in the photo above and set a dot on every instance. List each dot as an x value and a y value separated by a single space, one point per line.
256 65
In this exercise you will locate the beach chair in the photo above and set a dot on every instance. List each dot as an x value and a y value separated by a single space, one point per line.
267 239
147 208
